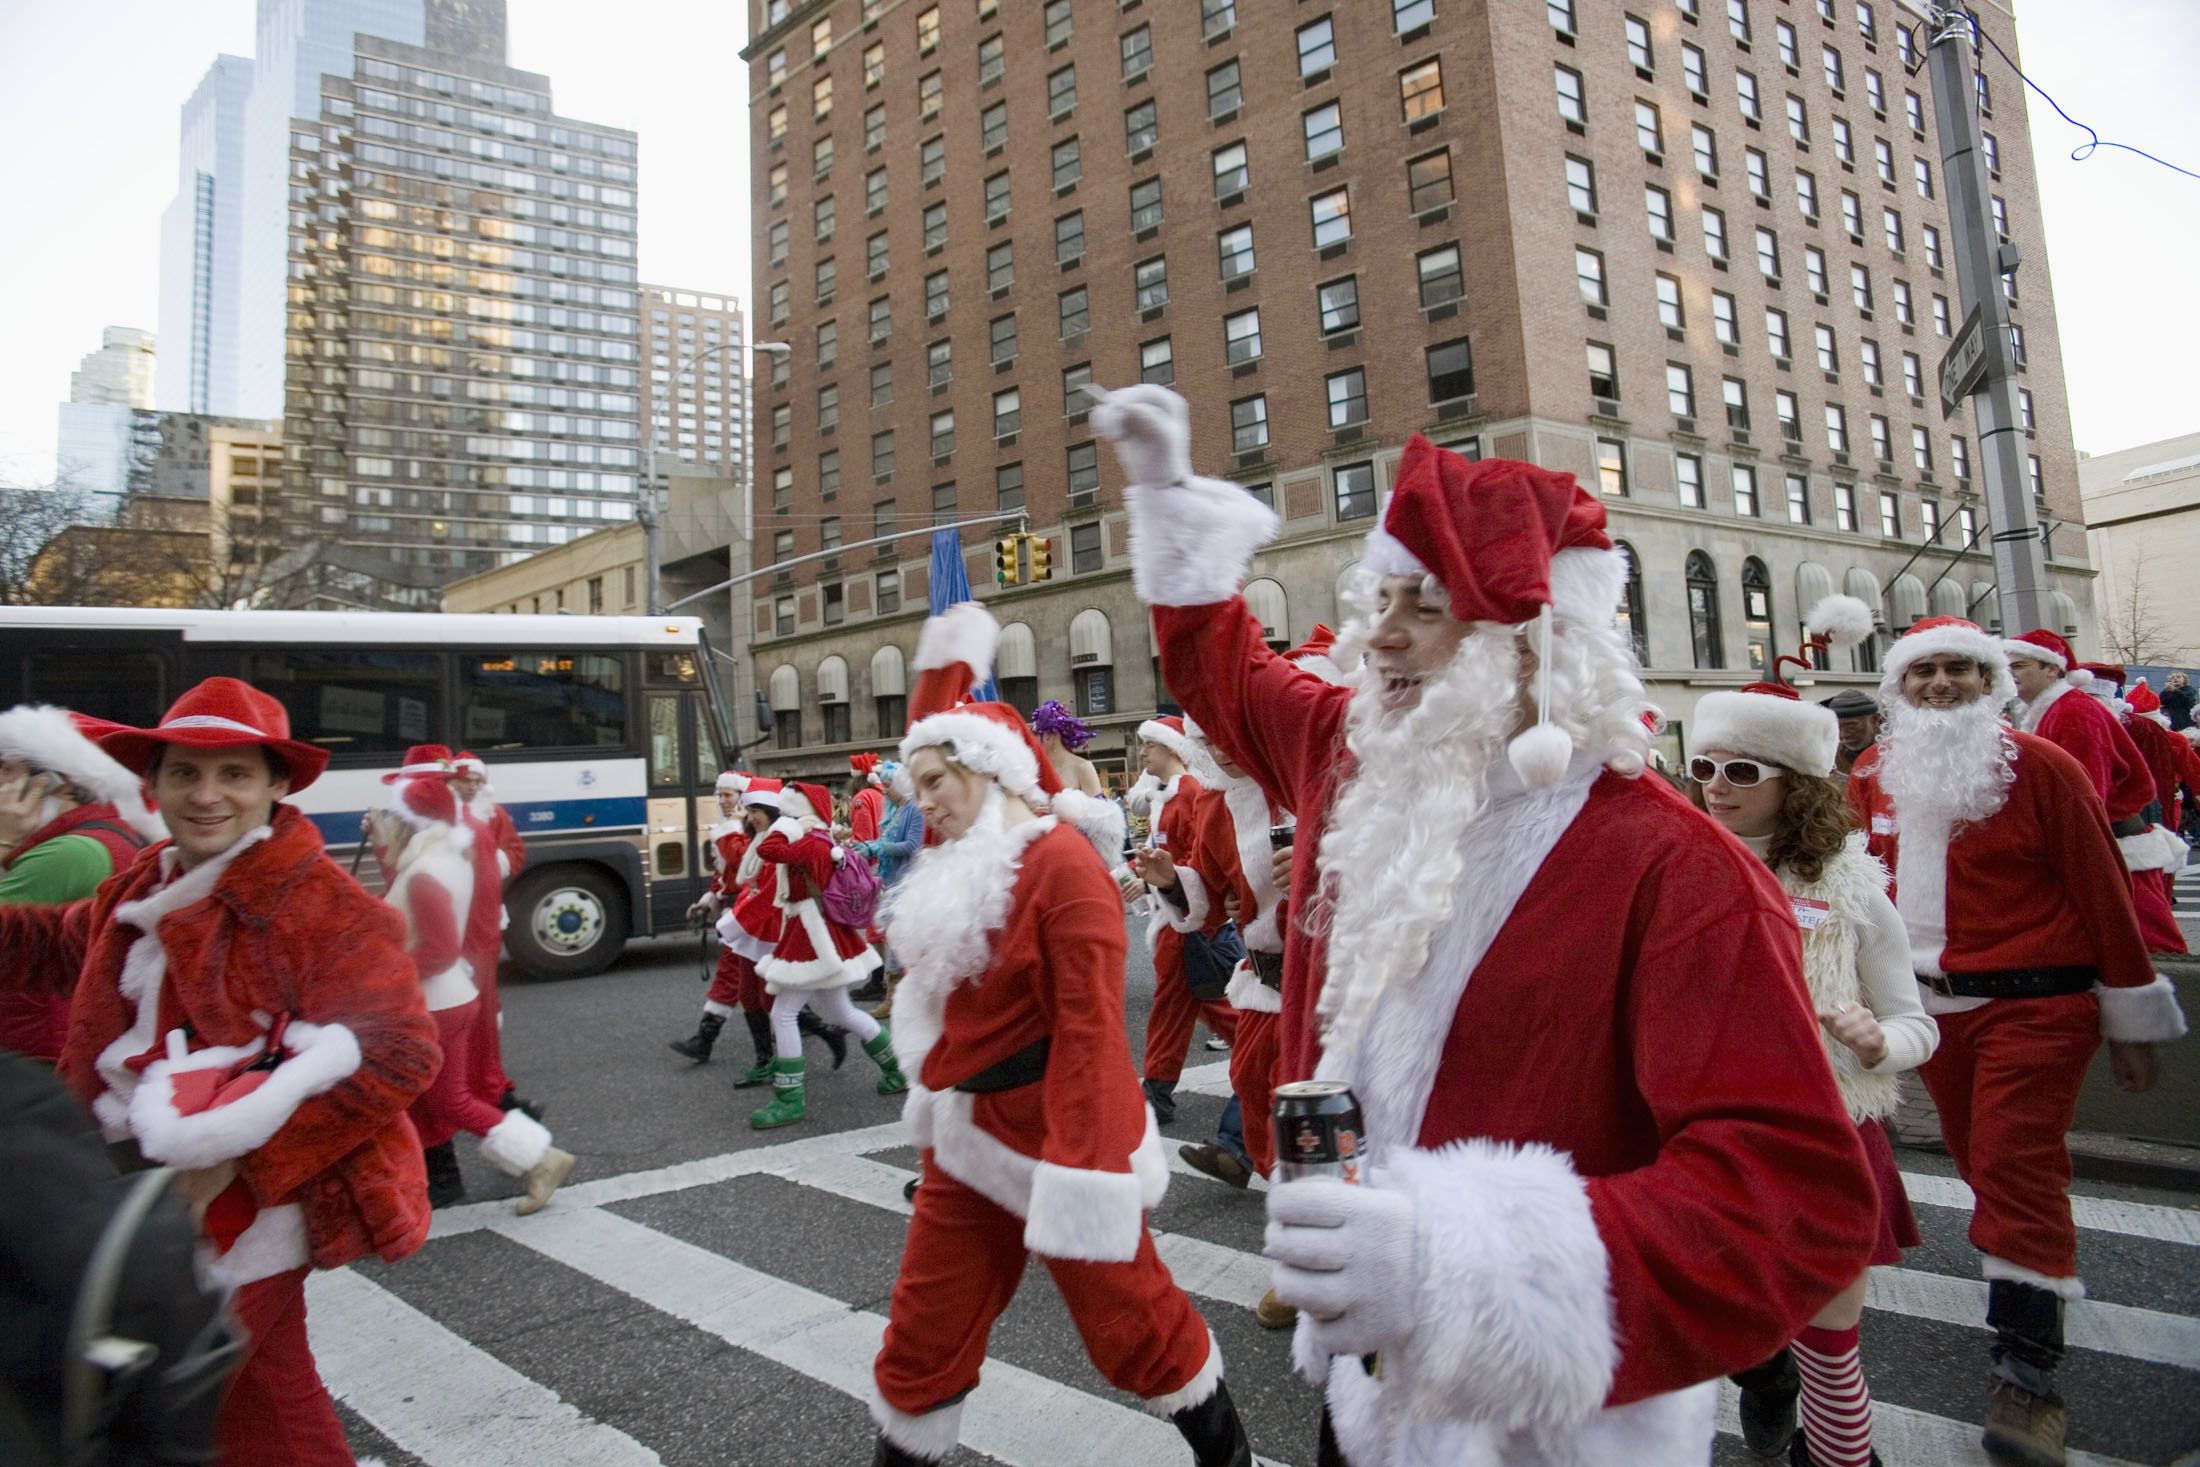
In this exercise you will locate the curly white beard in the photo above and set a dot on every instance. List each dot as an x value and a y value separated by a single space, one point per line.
1945 766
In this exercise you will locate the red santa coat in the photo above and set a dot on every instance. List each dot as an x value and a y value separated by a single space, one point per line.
750 922
432 888
812 951
1081 1160
328 1166
2039 883
866 813
2084 728
510 851
1631 1153
1174 819
2170 760
1233 859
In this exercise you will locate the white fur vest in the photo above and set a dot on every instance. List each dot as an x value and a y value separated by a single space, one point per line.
1846 881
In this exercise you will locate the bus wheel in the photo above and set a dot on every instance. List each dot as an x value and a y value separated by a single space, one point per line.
567 922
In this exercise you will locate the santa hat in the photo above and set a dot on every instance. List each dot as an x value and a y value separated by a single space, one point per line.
221 713
466 761
61 742
424 762
2042 645
2142 698
732 782
423 802
1767 721
818 799
865 764
2106 672
1950 636
1170 734
1510 543
761 792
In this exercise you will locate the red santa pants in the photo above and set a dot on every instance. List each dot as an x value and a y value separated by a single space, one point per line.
2006 1079
959 1268
486 1063
1175 1011
452 1104
276 1412
735 983
1253 1055
2150 899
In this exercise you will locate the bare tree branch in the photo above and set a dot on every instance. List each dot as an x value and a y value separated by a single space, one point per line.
2132 630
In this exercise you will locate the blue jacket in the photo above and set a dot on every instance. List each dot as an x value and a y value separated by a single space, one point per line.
900 838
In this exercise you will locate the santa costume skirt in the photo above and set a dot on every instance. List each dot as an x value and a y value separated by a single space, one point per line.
1897 1224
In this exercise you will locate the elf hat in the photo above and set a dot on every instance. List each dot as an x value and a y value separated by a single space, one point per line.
221 713
1767 721
1949 636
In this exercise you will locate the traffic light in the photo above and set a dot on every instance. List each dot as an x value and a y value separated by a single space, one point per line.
1042 558
1005 571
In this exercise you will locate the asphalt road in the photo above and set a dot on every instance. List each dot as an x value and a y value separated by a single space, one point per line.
705 1294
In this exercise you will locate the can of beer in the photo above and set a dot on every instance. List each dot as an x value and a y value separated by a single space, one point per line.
1318 1130
1281 836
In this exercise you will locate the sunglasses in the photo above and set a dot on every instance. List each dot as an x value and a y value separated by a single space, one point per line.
1741 774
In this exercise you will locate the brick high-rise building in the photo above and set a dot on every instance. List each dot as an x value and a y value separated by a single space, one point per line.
1696 253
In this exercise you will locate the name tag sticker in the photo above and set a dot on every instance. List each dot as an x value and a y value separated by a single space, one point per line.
1882 825
1810 915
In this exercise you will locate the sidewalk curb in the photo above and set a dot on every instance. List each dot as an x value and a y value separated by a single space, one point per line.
2116 1160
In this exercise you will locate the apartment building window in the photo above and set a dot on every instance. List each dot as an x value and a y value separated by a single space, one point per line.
1001 332
935 295
1798 497
1789 415
2032 476
874 126
783 625
1844 507
1967 524
1829 359
1059 26
1084 471
1428 181
928 29
1670 312
1724 326
1959 458
821 98
1904 310
1421 90
828 474
1072 312
1062 92
1688 480
1324 130
1581 185
1745 97
1883 160
775 123
1450 370
1860 289
1074 380
993 126
1921 450
1768 254
1612 468
1836 76
1230 171
1837 428
1776 333
943 433
1680 390
1692 69
874 191
1714 234
1890 516
1798 120
939 365
1408 16
1137 49
1735 394
1441 279
1806 196
828 408
882 454
1354 486
776 186
1603 370
1069 239
1924 172
1347 395
1572 103
1745 490
1737 20
782 425
1150 283
1224 93
935 227
1249 424
1084 558
931 161
1157 361
1561 13
1145 205
1657 207
1008 487
1338 302
1757 614
776 243
1759 170
1867 352
992 61
1703 611
1141 129
1331 217
1241 337
1639 54
1844 141
1216 17
782 546
945 508
1317 42
2024 408
1814 270
1704 143
1875 92
1000 266
1882 438
1941 321
1928 519
1008 412
1589 275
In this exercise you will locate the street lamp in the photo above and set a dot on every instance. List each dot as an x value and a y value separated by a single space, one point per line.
649 508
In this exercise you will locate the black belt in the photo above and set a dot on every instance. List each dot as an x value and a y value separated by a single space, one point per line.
2129 825
2013 983
1027 1066
1267 967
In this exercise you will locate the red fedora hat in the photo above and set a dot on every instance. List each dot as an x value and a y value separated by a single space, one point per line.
221 713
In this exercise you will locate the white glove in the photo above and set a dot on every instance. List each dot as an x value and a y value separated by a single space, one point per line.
1150 429
1348 1259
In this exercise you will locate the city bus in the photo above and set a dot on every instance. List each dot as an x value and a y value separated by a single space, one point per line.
603 735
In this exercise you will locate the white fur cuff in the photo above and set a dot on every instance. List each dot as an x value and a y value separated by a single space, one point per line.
1196 903
516 1143
2068 1289
931 1435
320 1057
1094 1216
1515 1323
790 826
2148 1014
1191 543
1194 1391
1248 995
2154 849
274 1242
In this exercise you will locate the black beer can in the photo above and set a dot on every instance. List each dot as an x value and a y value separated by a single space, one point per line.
1281 836
1318 1131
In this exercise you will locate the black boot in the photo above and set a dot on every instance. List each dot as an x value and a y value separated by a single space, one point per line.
446 1185
760 1034
1769 1393
2024 1413
510 1100
1213 1429
697 1046
889 1455
1161 1095
835 1037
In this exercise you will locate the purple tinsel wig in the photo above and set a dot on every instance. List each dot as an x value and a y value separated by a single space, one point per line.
1053 718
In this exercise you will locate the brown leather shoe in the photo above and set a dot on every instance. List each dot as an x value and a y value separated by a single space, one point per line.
544 1178
2023 1430
1216 1163
1273 1313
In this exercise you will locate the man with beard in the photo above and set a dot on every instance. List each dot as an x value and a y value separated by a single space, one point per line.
1606 1160
2022 934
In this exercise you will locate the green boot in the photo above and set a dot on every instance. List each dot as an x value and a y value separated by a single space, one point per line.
760 1034
891 1081
786 1107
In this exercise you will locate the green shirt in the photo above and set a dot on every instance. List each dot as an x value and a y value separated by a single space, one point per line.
66 868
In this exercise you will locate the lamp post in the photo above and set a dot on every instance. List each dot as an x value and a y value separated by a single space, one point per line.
650 508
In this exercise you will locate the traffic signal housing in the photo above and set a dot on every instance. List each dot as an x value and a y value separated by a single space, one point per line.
1005 570
1042 558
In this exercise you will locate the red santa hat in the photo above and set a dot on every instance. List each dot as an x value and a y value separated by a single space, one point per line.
1169 732
2042 645
424 801
866 764
2106 672
1948 636
1767 721
794 797
732 782
60 742
424 762
2142 698
1510 543
762 792
221 713
466 761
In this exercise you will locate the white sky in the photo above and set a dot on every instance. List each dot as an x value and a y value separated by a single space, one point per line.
90 94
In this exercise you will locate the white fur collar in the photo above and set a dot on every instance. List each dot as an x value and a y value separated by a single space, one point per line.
2035 710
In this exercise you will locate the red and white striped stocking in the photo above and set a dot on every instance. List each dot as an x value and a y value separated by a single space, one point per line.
1837 1405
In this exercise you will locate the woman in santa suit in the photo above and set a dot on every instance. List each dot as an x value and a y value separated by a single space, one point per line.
1036 1137
816 960
425 851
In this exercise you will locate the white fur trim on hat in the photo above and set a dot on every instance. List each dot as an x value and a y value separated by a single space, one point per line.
1384 554
733 781
2048 656
1980 646
964 633
45 738
1586 583
982 746
319 1057
1153 730
1794 735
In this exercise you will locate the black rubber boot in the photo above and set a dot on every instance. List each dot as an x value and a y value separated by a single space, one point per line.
760 1034
446 1184
835 1037
1769 1394
1161 1095
2024 1412
889 1455
1213 1429
697 1046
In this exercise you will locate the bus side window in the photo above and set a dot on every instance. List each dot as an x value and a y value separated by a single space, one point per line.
127 687
538 699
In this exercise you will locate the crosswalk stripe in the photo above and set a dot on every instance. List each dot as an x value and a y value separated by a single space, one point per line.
2091 1324
437 1396
1017 1417
1911 1437
2101 1214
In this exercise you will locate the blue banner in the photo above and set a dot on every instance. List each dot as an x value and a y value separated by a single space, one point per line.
950 584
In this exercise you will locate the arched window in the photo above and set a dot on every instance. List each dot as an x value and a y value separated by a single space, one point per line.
1948 598
1905 602
890 691
1264 598
1864 586
1092 662
1345 577
2065 613
786 700
1632 621
832 699
1757 614
1703 610
1016 666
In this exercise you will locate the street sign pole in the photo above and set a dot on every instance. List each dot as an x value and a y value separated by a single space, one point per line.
1979 362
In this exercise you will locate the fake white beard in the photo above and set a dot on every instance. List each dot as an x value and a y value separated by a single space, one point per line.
944 912
1945 766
